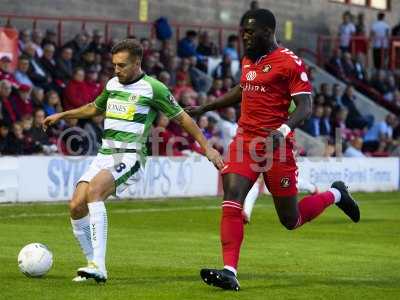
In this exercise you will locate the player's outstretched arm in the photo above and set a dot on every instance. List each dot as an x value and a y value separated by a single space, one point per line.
191 127
230 98
83 112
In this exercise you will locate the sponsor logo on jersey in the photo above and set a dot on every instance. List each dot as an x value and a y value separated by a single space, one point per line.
248 87
267 68
117 107
285 182
250 76
304 77
172 99
246 66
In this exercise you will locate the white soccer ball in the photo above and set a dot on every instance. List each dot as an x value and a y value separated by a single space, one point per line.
35 260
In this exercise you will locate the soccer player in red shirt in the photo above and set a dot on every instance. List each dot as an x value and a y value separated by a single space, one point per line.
271 77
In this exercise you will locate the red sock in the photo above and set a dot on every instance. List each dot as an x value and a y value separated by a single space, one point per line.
312 206
231 232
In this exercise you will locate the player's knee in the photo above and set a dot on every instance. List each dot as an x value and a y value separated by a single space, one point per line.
288 222
78 209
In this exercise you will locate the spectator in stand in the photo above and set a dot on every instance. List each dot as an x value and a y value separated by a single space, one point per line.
16 143
336 96
147 50
335 65
65 65
47 61
8 113
76 92
37 97
165 78
224 68
346 31
88 59
379 82
319 100
94 128
354 148
21 74
166 143
4 136
173 68
23 102
36 72
206 46
324 91
5 71
78 45
396 30
200 81
313 125
50 37
24 38
181 86
231 47
203 125
380 136
355 119
97 44
341 116
217 88
361 41
152 65
30 145
326 128
37 39
39 137
74 141
392 88
187 45
348 66
227 84
92 83
380 31
52 103
359 70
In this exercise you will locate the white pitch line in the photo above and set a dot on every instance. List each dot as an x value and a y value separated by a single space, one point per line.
119 211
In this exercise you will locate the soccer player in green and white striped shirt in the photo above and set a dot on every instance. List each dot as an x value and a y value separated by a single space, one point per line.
130 102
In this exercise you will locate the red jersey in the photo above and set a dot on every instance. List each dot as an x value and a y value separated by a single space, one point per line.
267 89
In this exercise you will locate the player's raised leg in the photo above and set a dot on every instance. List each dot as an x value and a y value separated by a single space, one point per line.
100 187
250 200
236 188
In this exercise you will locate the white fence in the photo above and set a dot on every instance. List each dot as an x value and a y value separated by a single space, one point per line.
40 178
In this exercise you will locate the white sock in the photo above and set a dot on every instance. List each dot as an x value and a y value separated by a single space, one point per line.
81 230
232 269
306 186
336 194
251 199
98 232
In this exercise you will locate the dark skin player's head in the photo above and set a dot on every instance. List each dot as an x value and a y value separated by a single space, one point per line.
258 33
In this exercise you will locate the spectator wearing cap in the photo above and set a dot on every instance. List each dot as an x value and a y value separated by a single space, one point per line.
231 47
21 74
7 108
65 65
5 71
93 85
23 101
187 45
76 92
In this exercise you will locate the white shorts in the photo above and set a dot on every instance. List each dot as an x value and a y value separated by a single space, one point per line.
123 167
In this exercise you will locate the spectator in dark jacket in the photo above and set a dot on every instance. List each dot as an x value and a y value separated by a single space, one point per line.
313 126
7 110
65 65
23 102
36 72
187 45
47 60
355 119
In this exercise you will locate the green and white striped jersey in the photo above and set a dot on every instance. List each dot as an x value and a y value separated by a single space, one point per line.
130 111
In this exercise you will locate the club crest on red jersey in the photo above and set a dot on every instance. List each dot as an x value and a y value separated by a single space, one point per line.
250 76
267 68
285 182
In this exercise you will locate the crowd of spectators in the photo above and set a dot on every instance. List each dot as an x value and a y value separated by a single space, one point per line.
348 61
50 78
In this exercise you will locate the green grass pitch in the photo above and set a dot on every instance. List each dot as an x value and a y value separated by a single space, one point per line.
156 249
